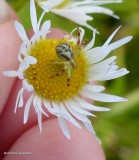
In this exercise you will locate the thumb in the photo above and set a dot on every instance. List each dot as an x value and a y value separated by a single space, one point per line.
9 45
6 13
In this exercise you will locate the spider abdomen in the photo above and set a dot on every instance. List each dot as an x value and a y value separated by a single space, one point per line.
65 53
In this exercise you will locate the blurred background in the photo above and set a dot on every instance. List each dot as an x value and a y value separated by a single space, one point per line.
119 128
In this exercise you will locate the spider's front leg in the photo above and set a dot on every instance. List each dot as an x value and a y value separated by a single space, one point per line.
67 67
69 70
60 72
80 43
79 35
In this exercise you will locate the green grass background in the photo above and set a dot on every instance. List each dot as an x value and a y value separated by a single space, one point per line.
119 128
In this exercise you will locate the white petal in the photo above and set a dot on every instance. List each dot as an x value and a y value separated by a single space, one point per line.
97 9
22 52
27 86
41 17
55 107
27 108
64 127
59 111
21 31
33 15
113 68
19 96
45 27
50 3
94 88
91 43
36 37
111 37
76 11
39 104
81 32
105 62
89 127
102 97
23 48
89 106
23 66
99 70
77 108
71 120
37 109
82 3
35 104
13 74
74 15
119 43
115 74
79 116
96 54
40 120
48 106
21 101
30 60
94 2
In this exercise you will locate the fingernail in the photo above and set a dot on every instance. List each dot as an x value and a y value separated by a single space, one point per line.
4 11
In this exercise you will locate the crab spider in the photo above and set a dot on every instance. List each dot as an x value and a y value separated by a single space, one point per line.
64 52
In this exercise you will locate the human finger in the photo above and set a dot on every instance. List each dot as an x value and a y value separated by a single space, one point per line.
52 144
9 46
7 13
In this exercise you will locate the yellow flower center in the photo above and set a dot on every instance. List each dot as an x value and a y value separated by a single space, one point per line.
43 77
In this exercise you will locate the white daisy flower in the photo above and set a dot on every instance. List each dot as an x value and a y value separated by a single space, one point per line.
77 11
58 72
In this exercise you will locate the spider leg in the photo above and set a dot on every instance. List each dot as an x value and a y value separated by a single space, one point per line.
67 68
57 62
78 34
84 42
60 72
68 77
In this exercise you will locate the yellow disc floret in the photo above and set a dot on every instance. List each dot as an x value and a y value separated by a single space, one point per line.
42 75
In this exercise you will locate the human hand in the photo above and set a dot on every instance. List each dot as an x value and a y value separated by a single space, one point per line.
51 144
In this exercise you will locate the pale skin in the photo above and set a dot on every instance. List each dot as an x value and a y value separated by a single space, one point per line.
51 144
